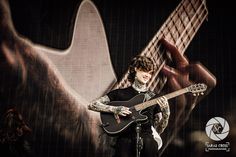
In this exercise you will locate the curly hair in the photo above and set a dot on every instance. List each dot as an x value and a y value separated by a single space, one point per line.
142 63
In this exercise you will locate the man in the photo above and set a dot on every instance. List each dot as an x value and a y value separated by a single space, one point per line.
140 73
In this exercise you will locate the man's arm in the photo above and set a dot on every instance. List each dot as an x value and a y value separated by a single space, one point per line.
100 105
161 119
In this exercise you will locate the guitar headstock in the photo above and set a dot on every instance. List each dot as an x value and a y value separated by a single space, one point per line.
197 89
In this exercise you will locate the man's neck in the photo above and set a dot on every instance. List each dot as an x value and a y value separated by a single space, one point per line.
139 86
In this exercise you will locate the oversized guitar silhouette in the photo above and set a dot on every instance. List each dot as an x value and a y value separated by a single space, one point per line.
113 125
88 56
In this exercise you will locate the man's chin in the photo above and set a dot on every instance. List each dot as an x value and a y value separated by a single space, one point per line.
144 82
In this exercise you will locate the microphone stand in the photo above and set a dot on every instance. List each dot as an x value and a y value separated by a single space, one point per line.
139 140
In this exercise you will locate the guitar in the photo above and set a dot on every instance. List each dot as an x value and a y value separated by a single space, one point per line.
114 125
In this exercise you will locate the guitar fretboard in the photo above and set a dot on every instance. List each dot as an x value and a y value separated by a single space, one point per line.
152 102
179 29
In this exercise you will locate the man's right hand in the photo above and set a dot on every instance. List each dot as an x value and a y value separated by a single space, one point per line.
121 110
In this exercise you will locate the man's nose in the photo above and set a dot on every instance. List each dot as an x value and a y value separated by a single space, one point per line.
147 75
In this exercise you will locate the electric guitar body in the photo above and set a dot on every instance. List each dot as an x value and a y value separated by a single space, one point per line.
114 125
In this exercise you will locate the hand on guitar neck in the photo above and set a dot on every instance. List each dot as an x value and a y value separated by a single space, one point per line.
184 73
162 102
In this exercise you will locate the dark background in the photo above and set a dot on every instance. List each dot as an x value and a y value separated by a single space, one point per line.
129 27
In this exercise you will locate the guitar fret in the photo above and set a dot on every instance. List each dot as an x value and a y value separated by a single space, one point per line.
155 76
178 25
192 18
185 18
191 28
158 84
181 25
171 31
177 22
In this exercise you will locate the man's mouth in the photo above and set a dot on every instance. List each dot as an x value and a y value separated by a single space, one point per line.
145 78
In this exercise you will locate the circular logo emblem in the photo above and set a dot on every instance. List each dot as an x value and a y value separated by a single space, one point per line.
217 128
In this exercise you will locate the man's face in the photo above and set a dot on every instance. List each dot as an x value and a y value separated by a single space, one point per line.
142 76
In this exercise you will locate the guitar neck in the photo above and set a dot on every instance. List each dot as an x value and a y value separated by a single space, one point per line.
179 29
152 102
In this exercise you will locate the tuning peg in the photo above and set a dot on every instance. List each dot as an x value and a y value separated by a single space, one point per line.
194 94
202 93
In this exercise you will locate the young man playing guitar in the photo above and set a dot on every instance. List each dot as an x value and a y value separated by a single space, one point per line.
140 72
